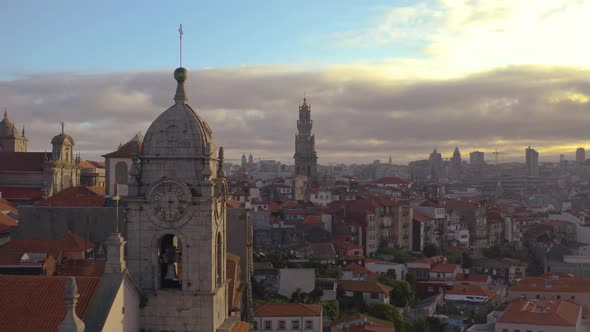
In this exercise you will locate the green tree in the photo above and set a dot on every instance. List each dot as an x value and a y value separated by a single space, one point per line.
430 250
411 279
418 326
403 293
390 313
330 309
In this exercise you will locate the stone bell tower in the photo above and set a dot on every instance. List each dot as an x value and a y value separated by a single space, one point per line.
176 222
306 158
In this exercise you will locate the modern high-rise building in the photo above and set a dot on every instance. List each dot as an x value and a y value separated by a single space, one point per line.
456 164
435 161
306 158
477 158
532 162
580 155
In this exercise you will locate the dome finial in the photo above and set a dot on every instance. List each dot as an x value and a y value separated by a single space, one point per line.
180 75
23 133
5 113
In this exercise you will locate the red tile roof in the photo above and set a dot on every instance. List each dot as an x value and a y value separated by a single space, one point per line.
77 196
541 312
552 284
364 286
471 290
36 303
312 220
21 193
240 326
287 310
445 268
557 223
7 206
85 268
91 164
23 161
126 150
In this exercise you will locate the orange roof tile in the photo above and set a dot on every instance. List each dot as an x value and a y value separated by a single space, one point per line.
312 220
7 206
77 196
91 164
240 326
21 193
364 286
36 303
287 310
541 312
471 290
445 268
85 268
552 284
354 267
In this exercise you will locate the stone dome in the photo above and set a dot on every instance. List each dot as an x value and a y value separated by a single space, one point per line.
179 132
7 128
61 138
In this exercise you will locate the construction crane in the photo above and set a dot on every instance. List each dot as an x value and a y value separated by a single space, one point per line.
497 156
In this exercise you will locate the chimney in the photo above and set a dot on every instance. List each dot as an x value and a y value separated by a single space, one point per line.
115 246
71 322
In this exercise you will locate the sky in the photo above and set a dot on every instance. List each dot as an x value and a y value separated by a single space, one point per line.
384 78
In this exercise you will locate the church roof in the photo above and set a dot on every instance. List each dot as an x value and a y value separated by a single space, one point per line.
23 161
128 149
7 128
179 131
36 303
61 138
21 193
77 196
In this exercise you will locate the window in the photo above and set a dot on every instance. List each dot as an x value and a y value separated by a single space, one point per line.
255 326
573 297
294 325
219 261
121 173
282 325
308 325
504 330
170 259
430 289
267 325
374 295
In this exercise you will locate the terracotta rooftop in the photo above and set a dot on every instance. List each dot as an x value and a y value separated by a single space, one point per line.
444 268
541 312
7 206
36 303
77 196
21 193
287 310
552 284
354 267
240 326
312 220
128 149
91 164
23 161
83 268
470 290
364 286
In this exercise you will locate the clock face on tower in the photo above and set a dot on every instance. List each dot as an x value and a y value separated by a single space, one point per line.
169 200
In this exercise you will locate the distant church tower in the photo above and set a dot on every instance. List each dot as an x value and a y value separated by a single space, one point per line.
306 159
176 222
63 168
10 139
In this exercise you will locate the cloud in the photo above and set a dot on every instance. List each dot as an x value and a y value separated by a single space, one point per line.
458 37
357 117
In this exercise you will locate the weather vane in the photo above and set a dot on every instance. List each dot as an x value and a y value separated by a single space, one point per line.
180 32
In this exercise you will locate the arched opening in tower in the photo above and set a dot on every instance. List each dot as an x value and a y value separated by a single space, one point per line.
219 260
170 254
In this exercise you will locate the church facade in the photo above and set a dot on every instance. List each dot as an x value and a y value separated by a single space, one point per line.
176 223
306 158
26 177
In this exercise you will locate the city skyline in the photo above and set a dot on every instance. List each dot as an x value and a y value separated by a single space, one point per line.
407 79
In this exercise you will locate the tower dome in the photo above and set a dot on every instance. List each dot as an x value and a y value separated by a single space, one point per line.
7 128
179 131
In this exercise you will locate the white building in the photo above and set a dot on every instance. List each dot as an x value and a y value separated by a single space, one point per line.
288 317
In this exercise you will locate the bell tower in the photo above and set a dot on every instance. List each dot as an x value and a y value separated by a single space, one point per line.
306 158
176 222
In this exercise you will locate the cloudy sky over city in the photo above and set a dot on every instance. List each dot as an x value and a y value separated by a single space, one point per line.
384 78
